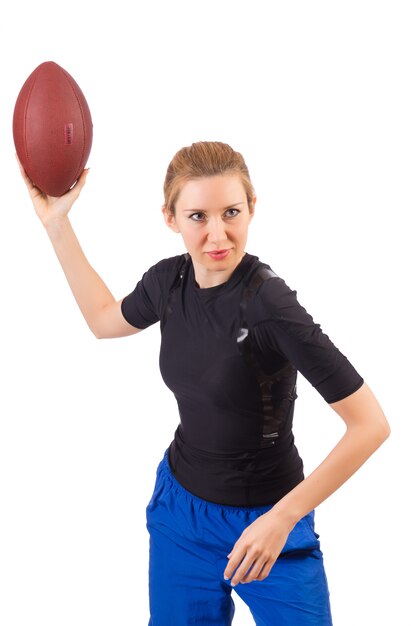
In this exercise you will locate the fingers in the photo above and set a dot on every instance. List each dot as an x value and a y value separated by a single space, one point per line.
82 179
265 570
244 570
18 162
25 177
77 188
246 565
257 571
237 559
242 560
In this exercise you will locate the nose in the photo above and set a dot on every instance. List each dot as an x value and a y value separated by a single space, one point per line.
216 230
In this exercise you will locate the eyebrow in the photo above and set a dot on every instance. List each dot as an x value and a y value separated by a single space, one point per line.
231 206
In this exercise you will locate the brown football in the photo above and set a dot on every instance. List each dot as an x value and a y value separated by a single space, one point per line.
52 129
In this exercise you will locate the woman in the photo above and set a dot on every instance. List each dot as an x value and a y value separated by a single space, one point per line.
231 507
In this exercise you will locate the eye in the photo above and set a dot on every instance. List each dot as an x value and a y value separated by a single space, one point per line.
197 217
232 212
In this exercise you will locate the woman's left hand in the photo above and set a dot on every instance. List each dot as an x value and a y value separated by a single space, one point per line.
258 547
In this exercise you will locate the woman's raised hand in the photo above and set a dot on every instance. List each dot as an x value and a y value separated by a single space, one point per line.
50 209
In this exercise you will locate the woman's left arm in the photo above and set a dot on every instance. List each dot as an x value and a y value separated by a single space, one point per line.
261 542
366 429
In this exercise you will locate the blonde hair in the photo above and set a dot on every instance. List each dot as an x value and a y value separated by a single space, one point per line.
201 159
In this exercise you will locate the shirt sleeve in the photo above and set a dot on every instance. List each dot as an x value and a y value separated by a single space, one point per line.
290 330
145 304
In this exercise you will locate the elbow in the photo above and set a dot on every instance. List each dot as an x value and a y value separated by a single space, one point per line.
95 332
372 435
386 431
381 433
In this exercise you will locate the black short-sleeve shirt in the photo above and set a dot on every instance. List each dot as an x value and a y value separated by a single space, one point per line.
230 354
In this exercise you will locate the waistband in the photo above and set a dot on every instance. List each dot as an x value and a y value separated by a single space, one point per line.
164 470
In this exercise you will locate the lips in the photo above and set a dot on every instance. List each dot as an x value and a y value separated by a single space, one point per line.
218 254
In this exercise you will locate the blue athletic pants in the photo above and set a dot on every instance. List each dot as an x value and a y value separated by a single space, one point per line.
189 540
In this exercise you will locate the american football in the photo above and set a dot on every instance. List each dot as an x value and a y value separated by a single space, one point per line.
52 129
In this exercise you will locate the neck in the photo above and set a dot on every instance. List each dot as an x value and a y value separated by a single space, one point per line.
206 278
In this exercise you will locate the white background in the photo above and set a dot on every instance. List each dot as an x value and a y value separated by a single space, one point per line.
319 98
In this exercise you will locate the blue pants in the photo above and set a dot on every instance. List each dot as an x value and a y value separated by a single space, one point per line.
189 540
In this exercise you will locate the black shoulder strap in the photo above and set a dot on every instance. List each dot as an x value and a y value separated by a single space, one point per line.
257 279
278 389
173 291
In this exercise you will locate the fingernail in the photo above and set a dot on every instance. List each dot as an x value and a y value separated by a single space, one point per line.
226 577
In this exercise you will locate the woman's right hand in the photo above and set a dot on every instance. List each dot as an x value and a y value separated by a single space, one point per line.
49 209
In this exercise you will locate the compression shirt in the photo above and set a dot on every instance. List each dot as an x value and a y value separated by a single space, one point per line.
231 362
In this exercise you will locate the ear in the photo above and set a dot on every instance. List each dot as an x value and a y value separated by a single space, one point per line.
170 219
252 207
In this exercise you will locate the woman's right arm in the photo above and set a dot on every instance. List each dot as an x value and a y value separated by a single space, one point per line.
101 311
98 306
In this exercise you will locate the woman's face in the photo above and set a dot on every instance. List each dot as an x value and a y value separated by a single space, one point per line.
212 215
